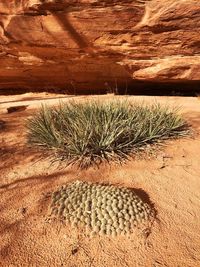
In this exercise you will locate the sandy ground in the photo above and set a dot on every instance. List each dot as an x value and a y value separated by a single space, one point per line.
170 180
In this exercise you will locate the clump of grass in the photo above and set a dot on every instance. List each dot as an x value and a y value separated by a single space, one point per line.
91 132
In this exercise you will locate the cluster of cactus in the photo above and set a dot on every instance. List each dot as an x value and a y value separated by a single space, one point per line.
101 209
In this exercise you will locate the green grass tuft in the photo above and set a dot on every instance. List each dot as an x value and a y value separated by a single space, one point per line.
90 132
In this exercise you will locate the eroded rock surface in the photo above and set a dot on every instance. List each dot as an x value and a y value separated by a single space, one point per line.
83 45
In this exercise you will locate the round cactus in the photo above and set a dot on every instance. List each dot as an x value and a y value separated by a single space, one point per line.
100 208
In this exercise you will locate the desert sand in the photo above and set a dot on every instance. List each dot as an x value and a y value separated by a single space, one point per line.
170 179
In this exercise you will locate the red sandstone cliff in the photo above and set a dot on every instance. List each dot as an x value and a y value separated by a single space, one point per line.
97 44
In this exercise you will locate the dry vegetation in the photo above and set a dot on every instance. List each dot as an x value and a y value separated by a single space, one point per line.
93 132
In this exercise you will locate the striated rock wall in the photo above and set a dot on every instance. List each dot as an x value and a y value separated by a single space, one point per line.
97 45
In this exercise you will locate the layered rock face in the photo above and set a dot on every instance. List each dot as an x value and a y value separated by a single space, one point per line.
97 45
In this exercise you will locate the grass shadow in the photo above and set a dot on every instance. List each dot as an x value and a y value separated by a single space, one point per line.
35 179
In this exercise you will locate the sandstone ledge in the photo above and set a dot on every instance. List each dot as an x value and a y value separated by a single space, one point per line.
90 45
